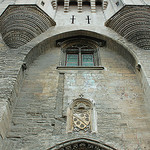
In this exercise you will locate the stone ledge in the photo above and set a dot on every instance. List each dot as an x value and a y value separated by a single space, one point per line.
80 68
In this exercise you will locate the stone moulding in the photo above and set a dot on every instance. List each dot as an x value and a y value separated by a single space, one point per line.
21 23
80 68
133 23
81 143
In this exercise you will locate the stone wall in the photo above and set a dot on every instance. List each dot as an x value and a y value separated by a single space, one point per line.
35 116
122 120
14 59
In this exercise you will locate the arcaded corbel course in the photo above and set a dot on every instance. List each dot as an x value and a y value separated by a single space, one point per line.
54 4
132 22
93 6
21 23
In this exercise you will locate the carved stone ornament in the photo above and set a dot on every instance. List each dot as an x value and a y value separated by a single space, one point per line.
81 144
81 117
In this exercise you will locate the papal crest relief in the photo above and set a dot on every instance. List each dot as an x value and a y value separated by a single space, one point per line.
81 117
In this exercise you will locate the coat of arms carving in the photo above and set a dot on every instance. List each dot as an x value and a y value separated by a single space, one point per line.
81 116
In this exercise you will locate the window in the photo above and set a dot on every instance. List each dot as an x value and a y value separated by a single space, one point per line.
80 55
72 60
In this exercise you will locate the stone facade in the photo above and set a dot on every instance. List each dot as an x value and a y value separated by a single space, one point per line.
47 105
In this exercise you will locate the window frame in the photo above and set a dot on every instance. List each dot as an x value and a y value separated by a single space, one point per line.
67 62
81 51
82 62
88 46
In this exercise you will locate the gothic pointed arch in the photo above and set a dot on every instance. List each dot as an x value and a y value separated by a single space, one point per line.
81 144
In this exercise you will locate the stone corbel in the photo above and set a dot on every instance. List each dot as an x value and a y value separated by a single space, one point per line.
54 4
105 4
66 5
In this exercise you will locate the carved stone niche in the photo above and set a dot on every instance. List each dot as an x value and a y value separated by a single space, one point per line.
81 116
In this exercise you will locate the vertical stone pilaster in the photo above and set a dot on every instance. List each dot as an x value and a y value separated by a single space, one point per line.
59 97
59 106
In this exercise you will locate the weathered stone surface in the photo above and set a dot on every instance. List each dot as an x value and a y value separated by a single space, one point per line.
115 90
34 98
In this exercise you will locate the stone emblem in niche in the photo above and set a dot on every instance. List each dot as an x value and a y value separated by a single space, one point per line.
81 117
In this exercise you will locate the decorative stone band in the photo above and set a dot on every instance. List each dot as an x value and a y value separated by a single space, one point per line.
133 23
21 23
80 3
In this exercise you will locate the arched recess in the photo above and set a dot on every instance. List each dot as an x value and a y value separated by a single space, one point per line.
29 52
81 144
131 53
43 44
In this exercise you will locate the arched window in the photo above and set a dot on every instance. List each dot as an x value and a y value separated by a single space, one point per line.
80 52
81 116
80 55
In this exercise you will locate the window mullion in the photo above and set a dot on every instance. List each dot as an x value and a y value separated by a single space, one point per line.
63 58
80 57
95 60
